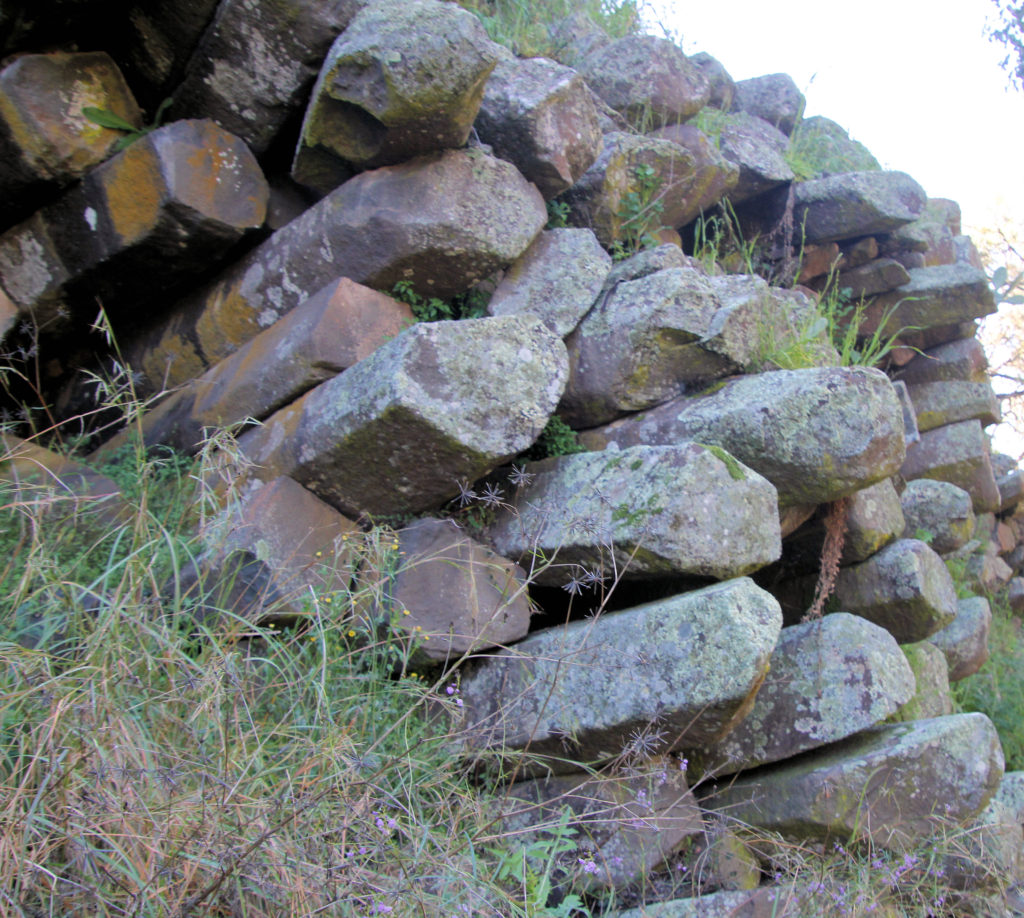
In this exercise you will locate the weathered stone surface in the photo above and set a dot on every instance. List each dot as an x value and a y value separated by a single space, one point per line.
441 222
714 175
832 147
817 260
990 851
940 403
1015 595
910 432
331 331
937 296
625 826
46 142
274 556
396 432
721 85
931 676
646 79
827 680
876 276
964 641
596 200
1010 481
459 595
939 509
57 485
160 211
929 240
905 588
405 78
816 434
856 204
557 278
758 149
1011 794
677 671
765 902
665 333
889 783
256 61
986 572
957 453
773 98
642 511
540 116
961 360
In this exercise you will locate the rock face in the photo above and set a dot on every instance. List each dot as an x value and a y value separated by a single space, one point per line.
758 150
405 78
964 641
959 454
164 208
642 512
773 98
540 116
397 432
46 142
891 783
670 673
939 509
816 434
440 222
828 679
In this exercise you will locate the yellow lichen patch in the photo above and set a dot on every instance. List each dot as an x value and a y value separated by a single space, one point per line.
227 322
172 362
135 192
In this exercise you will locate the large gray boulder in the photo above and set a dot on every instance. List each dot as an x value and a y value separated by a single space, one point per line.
856 204
399 430
646 79
405 78
958 453
540 116
670 673
940 511
714 175
828 679
774 98
816 434
641 511
758 149
557 278
256 61
960 360
889 783
440 222
905 588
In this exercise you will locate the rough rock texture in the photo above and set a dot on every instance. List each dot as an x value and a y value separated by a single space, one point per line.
957 453
765 902
557 278
816 434
396 432
457 594
540 116
961 360
934 297
46 142
646 79
964 641
939 509
827 680
931 675
331 331
833 146
440 222
774 98
679 671
890 783
642 511
714 175
162 211
722 86
905 588
596 200
878 276
405 78
758 149
256 62
625 826
949 401
856 204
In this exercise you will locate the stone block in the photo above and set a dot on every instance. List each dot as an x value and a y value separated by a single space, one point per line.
398 431
957 453
758 149
674 672
714 175
940 510
940 403
964 641
931 674
640 512
774 98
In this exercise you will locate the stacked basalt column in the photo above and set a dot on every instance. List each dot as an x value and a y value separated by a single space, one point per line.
394 143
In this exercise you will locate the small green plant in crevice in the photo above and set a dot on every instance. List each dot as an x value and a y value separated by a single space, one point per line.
558 214
812 153
108 119
639 214
469 305
556 439
718 243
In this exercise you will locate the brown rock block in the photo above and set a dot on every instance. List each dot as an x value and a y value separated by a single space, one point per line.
46 142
